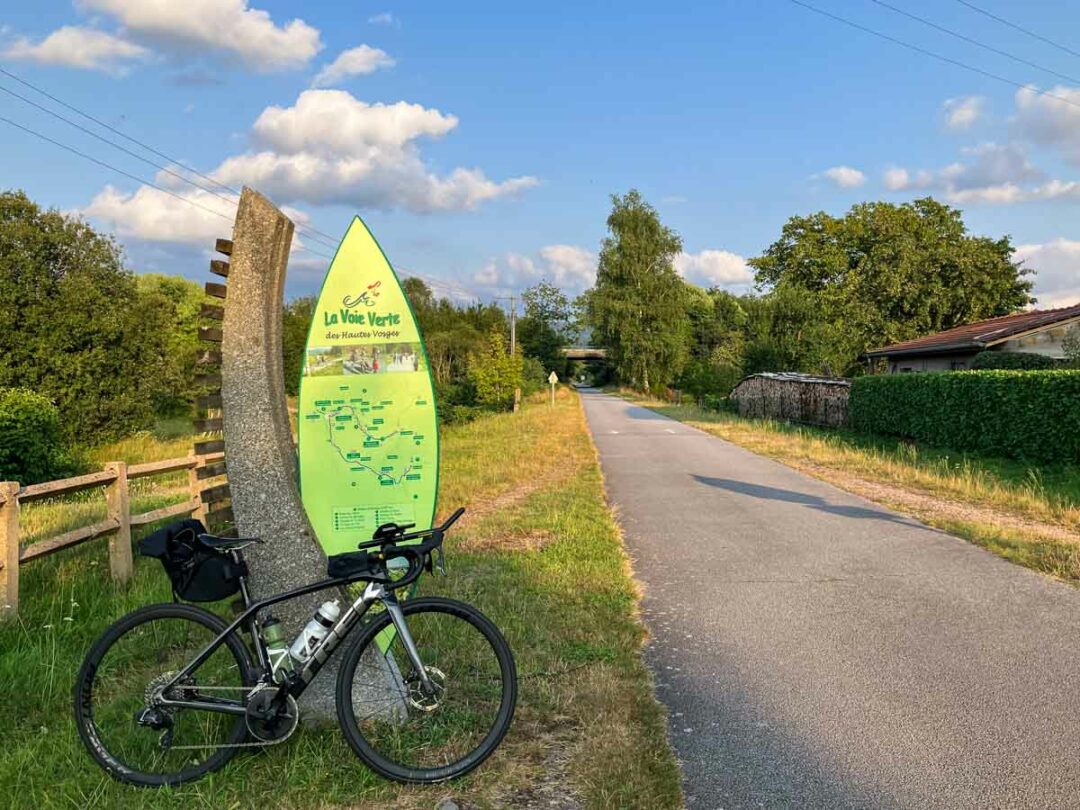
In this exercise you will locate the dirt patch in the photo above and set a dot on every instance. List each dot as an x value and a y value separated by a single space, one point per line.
479 510
930 507
515 541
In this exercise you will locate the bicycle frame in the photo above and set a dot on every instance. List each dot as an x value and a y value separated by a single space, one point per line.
376 590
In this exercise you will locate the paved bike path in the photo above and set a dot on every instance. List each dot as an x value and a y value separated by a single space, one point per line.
817 650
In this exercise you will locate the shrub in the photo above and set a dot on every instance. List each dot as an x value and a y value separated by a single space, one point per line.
1016 361
31 441
1032 415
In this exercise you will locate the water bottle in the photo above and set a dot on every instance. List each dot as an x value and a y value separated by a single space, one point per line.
277 649
315 631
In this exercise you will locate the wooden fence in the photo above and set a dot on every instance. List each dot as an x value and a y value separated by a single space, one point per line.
117 525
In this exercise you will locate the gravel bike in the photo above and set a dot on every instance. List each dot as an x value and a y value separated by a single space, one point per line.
426 688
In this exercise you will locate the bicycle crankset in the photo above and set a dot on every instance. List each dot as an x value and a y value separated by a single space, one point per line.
270 720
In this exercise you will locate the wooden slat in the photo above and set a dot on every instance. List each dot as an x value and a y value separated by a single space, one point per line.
212 312
153 516
67 540
208 401
224 246
159 467
215 290
208 425
206 448
208 379
208 357
213 494
219 267
211 334
220 516
79 482
210 471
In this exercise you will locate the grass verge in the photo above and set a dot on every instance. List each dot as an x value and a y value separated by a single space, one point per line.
540 555
1027 513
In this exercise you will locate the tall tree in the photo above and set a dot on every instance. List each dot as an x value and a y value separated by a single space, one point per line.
544 330
637 308
73 325
295 325
883 273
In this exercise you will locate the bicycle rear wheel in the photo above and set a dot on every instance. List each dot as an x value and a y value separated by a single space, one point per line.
407 735
137 656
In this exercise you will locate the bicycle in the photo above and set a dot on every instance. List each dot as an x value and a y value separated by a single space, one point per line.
171 692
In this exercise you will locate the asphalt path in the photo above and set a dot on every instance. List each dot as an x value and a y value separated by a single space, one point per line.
817 650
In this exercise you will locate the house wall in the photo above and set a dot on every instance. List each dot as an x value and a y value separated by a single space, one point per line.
931 362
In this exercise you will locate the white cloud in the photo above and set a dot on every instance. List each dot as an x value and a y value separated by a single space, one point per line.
962 113
369 158
383 18
335 122
1053 122
714 268
359 61
84 48
994 173
155 216
229 27
569 267
1057 282
844 177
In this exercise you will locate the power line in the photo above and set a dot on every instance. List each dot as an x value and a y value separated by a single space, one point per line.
932 54
109 166
129 175
330 241
1016 27
974 42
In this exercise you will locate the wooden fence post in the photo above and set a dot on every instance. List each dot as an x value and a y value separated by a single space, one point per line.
195 488
119 509
9 549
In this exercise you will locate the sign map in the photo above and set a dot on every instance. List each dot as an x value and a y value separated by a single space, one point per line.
368 438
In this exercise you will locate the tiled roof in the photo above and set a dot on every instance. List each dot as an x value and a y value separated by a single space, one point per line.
981 333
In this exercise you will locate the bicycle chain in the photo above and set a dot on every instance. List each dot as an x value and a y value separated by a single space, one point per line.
248 689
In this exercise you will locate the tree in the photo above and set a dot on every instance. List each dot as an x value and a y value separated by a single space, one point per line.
495 373
884 273
718 326
184 300
73 325
544 330
295 325
637 307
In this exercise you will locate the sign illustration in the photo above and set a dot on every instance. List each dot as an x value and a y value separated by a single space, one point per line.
368 437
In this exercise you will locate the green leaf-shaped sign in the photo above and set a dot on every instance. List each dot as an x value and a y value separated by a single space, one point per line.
369 441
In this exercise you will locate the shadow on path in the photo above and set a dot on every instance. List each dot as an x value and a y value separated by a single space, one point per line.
812 501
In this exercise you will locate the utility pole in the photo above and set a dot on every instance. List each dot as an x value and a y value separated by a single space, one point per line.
513 325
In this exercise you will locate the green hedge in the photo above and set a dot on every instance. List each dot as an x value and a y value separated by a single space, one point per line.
1031 415
31 441
1017 361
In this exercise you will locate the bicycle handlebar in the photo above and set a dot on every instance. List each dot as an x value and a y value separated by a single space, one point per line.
415 553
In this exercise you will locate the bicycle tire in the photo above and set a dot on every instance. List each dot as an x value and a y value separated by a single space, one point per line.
83 695
414 608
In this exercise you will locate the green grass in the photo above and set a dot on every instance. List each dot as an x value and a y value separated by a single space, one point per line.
587 717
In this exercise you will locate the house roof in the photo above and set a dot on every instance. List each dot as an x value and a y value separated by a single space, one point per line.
981 334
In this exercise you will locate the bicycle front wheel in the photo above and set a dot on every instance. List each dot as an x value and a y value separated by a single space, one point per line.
125 732
407 733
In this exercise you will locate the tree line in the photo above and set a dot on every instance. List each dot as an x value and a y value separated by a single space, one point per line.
91 351
829 289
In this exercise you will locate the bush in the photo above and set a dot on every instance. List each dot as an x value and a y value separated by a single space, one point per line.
1032 415
1015 361
31 441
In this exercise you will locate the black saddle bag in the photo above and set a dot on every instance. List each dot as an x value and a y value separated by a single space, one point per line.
197 573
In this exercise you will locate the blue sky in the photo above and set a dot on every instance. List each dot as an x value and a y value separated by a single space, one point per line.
481 141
